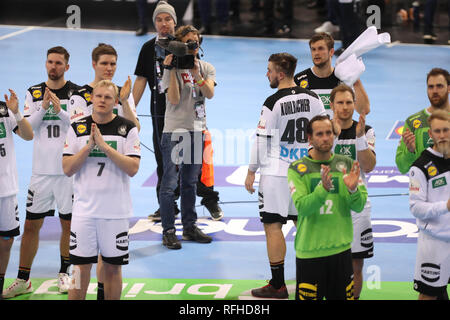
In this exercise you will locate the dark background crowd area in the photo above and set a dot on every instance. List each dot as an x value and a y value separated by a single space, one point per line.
247 18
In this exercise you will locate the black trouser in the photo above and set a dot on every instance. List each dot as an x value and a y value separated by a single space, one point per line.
350 22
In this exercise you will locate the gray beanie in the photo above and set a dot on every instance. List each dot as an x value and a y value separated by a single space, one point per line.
164 7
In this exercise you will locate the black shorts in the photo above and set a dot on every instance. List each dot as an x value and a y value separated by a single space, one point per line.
326 277
267 217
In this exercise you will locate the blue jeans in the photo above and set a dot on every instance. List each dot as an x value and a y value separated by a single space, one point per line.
184 150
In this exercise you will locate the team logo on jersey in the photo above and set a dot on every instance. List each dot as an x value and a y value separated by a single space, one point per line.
341 166
81 128
417 123
122 130
2 130
302 168
3 110
432 171
304 83
87 96
36 94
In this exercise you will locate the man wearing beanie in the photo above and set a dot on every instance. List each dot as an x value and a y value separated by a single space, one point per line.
149 69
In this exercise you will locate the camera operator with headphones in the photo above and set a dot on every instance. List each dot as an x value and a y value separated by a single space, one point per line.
188 82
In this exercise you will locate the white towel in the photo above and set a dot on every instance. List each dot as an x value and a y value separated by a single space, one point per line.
368 40
350 70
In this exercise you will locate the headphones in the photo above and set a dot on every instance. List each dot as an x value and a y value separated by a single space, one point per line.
188 29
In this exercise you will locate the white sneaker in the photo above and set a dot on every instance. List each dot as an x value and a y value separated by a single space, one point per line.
18 287
63 282
327 27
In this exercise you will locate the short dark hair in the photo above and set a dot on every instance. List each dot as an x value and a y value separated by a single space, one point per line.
322 36
341 88
102 49
184 30
439 71
309 130
59 50
284 62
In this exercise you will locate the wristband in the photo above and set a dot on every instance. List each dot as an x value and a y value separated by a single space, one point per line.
18 116
361 143
201 83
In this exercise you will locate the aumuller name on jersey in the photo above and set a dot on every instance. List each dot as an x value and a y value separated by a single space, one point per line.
291 107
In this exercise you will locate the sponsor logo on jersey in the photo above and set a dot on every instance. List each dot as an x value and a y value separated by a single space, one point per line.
122 241
302 168
96 152
367 238
414 185
307 291
432 170
137 146
51 114
293 153
2 130
334 188
430 272
81 128
325 100
416 123
87 96
36 94
348 150
440 182
292 187
304 83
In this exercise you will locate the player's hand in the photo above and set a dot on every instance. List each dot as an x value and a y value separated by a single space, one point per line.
410 140
125 91
336 126
91 141
12 102
168 60
55 101
98 138
46 99
249 180
325 174
361 126
448 204
351 179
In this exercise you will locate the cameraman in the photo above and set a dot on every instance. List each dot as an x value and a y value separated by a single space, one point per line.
182 139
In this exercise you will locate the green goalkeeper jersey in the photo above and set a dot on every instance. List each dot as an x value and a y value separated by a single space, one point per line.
418 125
324 224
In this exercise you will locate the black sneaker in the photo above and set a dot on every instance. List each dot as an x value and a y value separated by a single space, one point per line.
214 210
269 292
157 215
170 240
197 235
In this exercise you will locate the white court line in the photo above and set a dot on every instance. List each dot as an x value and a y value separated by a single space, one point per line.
15 33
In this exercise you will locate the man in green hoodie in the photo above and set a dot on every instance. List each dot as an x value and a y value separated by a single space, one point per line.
324 194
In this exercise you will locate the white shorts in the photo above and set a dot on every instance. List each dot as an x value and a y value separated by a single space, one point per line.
9 217
45 192
91 236
275 202
362 245
432 272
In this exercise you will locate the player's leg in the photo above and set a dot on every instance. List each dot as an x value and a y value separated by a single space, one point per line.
81 276
432 270
5 252
100 279
112 281
273 214
28 249
113 244
362 247
339 271
83 253
63 193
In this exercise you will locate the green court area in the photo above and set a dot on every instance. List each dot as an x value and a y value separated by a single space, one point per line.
205 289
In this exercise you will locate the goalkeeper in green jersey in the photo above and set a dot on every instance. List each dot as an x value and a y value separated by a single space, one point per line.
324 194
415 138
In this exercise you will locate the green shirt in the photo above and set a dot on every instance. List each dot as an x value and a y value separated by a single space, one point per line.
324 224
417 124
